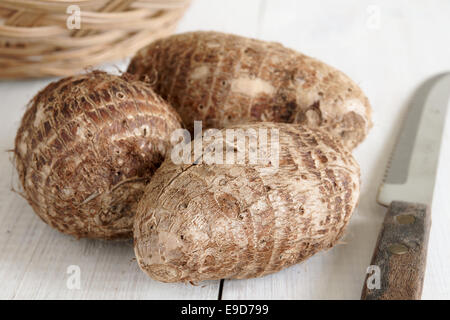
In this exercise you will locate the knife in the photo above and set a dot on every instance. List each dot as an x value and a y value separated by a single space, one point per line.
407 191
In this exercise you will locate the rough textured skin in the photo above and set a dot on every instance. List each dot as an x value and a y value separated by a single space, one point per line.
86 148
225 79
201 222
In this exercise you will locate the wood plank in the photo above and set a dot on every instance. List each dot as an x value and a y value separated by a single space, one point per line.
233 16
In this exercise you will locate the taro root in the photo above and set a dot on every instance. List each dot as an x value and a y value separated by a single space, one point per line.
224 79
205 220
87 146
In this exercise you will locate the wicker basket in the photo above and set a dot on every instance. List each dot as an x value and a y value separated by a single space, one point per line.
41 38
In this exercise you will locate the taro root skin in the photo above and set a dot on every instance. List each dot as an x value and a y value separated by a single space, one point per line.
87 146
224 79
205 222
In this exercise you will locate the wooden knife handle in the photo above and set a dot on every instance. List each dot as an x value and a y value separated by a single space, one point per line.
400 254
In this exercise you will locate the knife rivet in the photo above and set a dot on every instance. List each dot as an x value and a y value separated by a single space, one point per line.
398 248
406 219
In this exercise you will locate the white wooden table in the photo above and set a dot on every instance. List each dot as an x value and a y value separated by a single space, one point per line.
388 47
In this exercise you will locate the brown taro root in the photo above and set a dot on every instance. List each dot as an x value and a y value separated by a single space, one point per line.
86 148
234 221
224 79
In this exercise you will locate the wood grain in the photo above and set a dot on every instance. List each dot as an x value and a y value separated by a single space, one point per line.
401 253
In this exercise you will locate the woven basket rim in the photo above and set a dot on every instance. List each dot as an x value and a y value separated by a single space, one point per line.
35 40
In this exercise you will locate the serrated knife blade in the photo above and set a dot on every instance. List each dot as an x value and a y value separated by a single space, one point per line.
412 171
401 250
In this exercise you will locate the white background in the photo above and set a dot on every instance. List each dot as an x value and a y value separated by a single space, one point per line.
387 47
